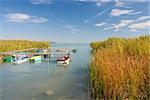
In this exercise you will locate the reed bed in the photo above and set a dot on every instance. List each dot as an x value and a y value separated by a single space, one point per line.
120 70
11 45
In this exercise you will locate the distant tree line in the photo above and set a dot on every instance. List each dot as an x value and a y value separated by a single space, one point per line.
11 45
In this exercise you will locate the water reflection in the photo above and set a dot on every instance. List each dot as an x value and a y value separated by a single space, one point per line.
31 81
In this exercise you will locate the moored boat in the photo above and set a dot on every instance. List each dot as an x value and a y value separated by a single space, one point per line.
8 59
63 60
20 60
74 50
62 50
35 59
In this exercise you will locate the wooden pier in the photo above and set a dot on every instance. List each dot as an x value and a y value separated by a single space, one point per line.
48 54
12 53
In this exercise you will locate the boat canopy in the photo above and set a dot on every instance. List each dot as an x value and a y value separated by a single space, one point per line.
35 57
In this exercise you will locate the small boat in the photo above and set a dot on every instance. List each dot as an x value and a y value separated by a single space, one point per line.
62 50
35 59
63 60
41 51
74 50
20 60
8 59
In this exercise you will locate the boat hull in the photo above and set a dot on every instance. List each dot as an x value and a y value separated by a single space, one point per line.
35 59
64 62
19 61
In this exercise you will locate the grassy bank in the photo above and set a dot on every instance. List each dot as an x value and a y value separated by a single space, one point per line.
120 69
11 45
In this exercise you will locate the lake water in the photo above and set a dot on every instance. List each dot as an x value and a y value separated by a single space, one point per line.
30 81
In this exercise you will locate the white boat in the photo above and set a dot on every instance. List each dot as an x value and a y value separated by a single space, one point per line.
20 60
63 60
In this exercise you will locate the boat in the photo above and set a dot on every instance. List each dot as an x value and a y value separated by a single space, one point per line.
74 50
35 59
63 60
62 50
8 59
41 51
20 60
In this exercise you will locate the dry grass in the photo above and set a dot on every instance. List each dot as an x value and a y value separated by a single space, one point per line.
120 75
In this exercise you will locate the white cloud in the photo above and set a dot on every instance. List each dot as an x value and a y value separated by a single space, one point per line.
100 24
141 25
107 28
17 17
36 2
140 0
121 24
123 3
101 13
72 29
24 18
143 18
119 4
97 2
100 2
118 12
133 25
35 19
135 13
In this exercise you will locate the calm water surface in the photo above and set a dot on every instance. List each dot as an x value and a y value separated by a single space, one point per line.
30 81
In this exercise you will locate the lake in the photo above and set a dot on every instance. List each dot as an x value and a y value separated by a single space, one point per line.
30 81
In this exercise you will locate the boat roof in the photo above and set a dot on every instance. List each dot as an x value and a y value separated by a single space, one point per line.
35 57
21 52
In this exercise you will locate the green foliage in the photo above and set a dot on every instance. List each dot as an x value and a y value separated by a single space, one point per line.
137 46
11 45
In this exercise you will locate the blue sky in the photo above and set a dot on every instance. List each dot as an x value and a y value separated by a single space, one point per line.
75 21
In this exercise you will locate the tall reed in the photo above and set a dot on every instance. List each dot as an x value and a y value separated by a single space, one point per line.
120 70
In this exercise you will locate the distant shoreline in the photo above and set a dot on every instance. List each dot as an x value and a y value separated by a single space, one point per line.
12 45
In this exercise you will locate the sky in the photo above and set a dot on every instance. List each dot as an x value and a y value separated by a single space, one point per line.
73 21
